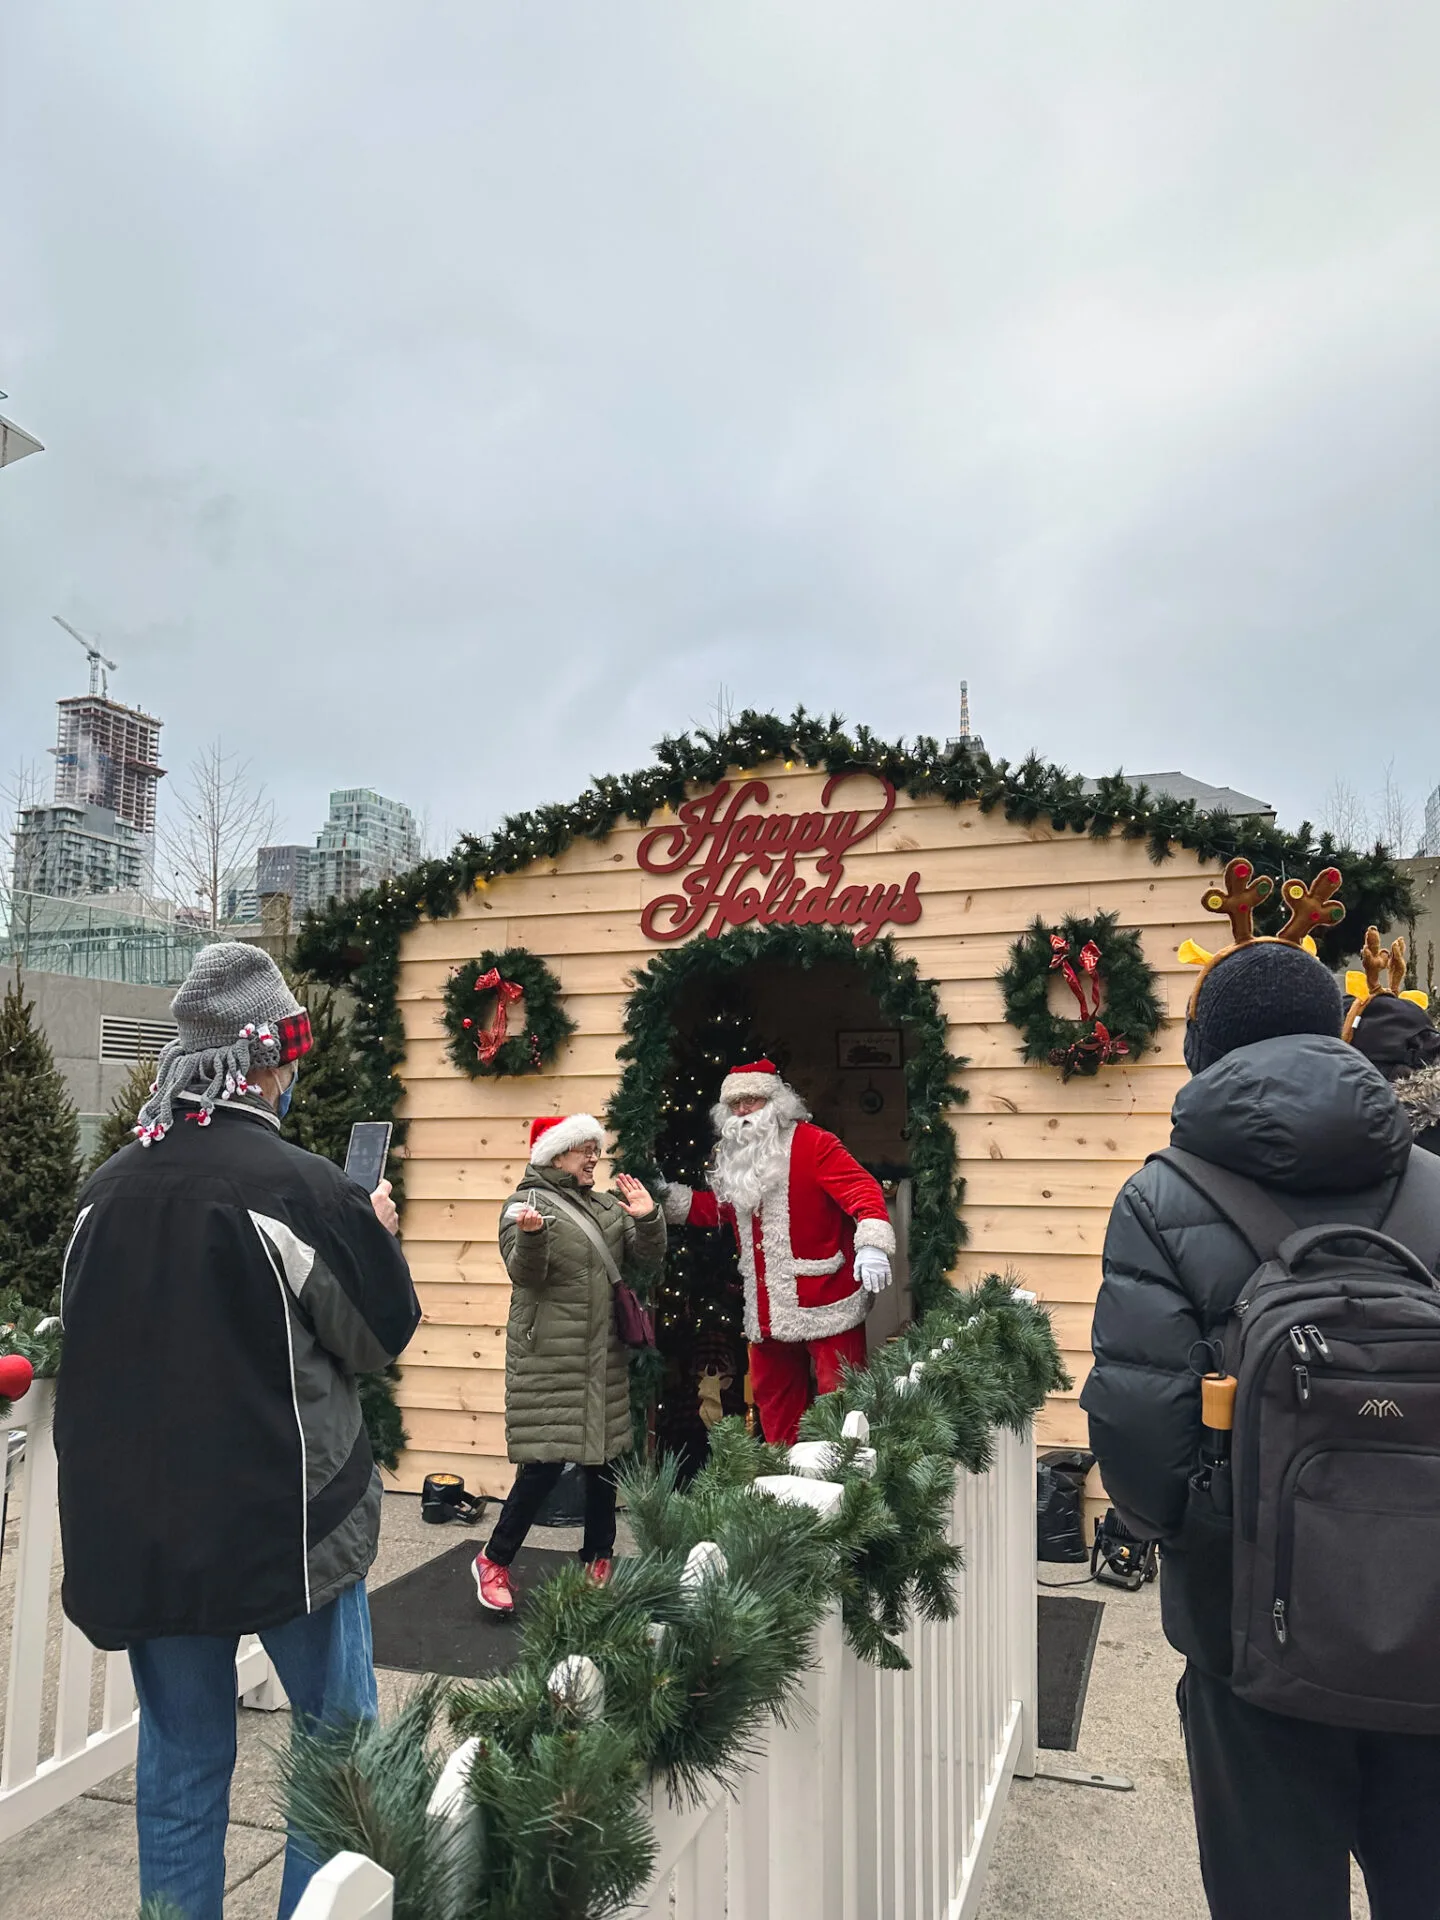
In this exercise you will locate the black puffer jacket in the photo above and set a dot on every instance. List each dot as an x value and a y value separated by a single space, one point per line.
1317 1125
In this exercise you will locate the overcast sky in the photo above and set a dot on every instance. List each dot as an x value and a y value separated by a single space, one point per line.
449 398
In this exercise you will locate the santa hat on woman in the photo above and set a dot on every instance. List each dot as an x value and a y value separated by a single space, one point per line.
554 1134
759 1080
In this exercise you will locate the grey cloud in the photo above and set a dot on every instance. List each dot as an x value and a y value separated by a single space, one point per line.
487 385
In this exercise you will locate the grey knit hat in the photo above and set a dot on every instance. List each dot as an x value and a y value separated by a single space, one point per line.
234 1014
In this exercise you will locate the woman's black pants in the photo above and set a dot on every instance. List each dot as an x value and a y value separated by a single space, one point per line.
533 1483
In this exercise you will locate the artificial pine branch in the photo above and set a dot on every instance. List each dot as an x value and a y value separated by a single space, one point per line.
692 1673
366 1789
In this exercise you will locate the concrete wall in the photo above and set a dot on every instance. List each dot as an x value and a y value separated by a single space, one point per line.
70 1011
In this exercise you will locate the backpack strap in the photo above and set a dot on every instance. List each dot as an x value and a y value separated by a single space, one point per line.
1261 1223
1414 1216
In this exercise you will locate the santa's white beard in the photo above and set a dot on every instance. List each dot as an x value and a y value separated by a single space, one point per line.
752 1152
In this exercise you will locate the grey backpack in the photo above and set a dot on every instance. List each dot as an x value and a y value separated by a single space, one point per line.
1335 1456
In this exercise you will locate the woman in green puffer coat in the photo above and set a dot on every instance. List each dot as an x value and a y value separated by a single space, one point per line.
567 1374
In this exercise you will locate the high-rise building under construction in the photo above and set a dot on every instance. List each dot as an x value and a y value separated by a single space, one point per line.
98 834
108 756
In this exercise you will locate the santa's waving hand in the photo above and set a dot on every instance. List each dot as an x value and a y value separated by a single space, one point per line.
814 1236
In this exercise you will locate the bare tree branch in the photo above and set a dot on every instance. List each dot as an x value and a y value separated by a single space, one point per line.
1395 815
223 820
1344 815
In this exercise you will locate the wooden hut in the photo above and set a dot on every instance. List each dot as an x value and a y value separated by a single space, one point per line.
1041 1157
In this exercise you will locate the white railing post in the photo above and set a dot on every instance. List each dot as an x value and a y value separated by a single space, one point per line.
882 1798
349 1887
31 1785
38 1509
1023 1601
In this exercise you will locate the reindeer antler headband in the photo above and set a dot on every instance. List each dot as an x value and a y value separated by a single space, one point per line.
1241 891
1377 962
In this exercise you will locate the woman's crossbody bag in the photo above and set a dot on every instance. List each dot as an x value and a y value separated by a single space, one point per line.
633 1324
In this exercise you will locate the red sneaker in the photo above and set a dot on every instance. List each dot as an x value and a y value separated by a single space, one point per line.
492 1586
598 1572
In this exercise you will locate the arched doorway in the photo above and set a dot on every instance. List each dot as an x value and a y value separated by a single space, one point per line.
861 1036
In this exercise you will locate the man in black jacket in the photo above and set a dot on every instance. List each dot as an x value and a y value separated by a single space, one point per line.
221 1291
1280 1804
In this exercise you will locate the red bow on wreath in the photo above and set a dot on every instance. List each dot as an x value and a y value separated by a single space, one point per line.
494 1036
1097 1046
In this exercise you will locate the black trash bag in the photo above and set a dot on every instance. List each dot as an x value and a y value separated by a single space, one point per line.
1059 1504
565 1504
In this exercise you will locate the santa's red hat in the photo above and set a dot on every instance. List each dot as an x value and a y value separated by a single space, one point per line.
554 1134
759 1079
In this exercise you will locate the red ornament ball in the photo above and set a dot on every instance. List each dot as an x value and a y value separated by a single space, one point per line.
16 1373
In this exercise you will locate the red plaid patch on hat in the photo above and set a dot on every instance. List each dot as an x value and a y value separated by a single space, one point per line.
294 1036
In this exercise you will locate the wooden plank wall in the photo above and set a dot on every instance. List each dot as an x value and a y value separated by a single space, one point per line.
1043 1161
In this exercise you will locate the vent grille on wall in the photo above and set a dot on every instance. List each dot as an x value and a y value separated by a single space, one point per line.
133 1039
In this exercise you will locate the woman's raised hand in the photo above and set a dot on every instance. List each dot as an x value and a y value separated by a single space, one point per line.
530 1220
635 1196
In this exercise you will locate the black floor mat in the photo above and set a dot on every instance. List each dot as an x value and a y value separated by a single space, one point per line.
1068 1629
430 1621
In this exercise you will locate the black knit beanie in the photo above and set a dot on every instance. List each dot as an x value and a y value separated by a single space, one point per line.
1396 1036
1258 993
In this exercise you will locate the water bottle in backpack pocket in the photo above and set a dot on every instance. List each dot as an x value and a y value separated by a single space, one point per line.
1335 1457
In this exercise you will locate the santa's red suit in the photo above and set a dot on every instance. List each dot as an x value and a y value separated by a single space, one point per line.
797 1258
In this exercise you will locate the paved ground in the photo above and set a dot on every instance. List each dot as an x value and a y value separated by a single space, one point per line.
1082 1853
79 1864
1064 1852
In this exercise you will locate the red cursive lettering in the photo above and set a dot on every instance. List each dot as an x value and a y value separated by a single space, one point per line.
739 865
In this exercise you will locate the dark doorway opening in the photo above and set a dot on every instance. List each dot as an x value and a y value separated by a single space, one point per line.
823 1027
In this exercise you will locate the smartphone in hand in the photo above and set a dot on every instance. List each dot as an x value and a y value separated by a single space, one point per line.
366 1155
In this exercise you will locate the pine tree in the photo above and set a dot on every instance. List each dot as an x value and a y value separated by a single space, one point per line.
117 1129
39 1155
329 1094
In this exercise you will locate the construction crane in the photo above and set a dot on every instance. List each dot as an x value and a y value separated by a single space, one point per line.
98 663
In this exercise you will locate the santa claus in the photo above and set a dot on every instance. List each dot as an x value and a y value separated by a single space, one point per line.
814 1237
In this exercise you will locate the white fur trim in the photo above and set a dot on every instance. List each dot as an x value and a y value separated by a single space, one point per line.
875 1233
788 1319
744 1086
676 1203
573 1131
813 1269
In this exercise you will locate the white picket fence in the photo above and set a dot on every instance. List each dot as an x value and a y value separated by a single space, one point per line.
881 1799
92 1737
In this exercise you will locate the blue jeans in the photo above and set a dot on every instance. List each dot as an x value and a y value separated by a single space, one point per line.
186 1685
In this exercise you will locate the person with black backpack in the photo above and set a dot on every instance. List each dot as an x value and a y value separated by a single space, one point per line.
1286 1246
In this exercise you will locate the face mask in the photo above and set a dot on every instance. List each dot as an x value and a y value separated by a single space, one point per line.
282 1105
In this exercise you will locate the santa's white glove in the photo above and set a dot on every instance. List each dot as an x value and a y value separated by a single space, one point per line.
872 1269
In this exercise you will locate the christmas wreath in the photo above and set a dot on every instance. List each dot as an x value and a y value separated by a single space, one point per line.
479 999
1102 966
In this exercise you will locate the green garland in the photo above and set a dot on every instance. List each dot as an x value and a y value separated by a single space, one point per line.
559 1796
357 942
904 998
1129 1005
547 1025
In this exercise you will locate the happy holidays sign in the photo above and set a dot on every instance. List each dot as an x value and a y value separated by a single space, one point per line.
744 866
